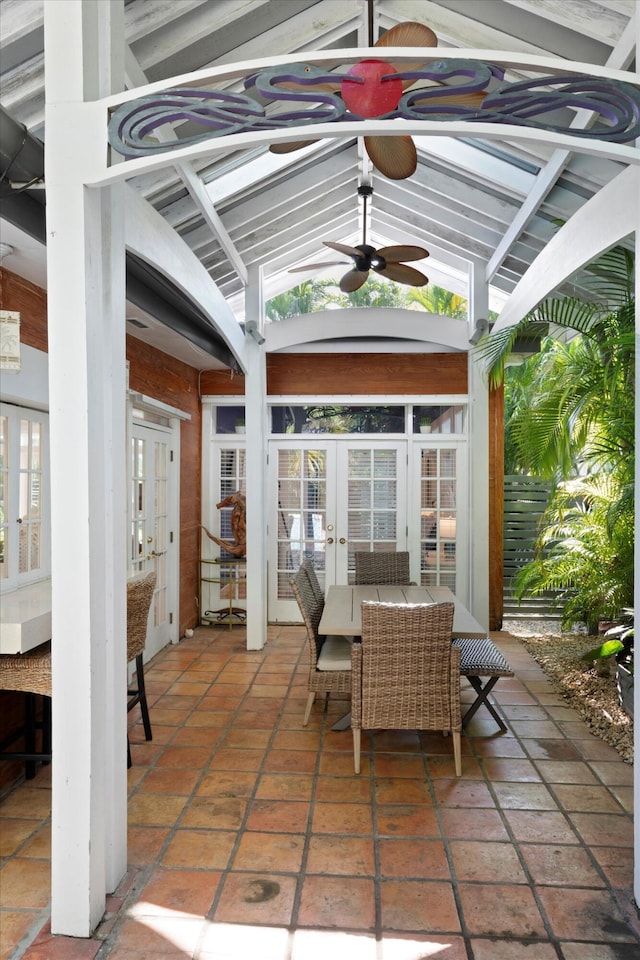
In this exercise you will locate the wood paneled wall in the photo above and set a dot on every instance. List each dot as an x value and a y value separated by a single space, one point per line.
327 374
31 303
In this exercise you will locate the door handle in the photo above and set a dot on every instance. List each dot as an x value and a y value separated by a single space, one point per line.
329 540
342 540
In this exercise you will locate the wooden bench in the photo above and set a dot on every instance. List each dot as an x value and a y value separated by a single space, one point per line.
480 659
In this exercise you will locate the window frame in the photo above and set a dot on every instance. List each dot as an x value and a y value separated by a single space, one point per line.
13 473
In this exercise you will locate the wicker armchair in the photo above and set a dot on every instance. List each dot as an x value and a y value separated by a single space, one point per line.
405 675
308 568
387 566
329 657
29 673
139 596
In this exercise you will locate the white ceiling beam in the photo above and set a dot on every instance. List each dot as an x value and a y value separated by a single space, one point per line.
605 220
547 178
136 78
594 20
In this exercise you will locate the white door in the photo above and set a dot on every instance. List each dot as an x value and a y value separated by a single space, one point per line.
332 497
153 540
441 537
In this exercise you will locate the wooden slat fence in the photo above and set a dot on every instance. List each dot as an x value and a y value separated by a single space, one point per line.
525 499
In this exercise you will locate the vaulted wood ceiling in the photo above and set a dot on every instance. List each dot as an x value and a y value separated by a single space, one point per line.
494 203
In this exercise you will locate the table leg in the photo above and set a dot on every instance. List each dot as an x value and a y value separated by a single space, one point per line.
483 693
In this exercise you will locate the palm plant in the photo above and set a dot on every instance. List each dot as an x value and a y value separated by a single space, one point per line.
306 297
581 556
435 299
571 420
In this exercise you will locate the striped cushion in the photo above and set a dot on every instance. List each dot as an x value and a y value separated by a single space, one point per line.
481 658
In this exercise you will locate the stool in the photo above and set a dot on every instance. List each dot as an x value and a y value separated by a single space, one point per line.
481 658
29 673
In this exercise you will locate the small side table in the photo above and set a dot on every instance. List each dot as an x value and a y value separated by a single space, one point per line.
230 574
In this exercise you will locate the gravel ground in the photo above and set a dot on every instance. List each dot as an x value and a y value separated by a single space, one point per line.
593 696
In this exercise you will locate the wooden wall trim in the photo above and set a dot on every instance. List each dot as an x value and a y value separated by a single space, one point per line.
496 506
328 374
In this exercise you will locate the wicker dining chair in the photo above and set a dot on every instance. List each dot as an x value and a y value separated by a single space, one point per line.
329 657
308 568
139 596
29 673
383 567
405 674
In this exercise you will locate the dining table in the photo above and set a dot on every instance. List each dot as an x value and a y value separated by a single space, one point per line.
481 662
343 604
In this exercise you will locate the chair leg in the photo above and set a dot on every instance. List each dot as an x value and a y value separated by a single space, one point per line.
356 749
30 733
307 712
457 754
128 753
144 709
46 725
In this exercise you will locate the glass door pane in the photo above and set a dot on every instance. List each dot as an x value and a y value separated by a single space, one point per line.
371 485
438 517
150 524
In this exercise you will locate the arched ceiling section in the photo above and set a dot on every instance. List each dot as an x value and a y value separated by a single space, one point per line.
434 332
494 204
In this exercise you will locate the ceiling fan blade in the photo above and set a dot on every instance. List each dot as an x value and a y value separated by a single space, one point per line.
401 253
472 100
403 274
410 34
343 248
317 266
395 157
289 147
353 280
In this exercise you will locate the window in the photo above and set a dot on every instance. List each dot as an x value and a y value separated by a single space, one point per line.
24 496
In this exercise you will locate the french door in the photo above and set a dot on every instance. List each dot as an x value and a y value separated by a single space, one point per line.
331 498
153 525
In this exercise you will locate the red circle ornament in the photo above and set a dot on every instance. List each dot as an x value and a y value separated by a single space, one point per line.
374 97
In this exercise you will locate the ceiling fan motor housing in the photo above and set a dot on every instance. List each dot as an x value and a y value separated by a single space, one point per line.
369 259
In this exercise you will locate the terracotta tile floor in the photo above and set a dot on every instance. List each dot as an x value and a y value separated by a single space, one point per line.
251 839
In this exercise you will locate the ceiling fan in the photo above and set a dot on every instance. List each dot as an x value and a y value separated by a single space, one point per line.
387 261
361 88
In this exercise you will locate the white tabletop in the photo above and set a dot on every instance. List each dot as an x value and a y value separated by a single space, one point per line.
342 613
25 617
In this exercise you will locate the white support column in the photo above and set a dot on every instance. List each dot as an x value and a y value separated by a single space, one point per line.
86 316
256 465
478 459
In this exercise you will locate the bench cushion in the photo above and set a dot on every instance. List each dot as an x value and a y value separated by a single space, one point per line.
335 654
481 658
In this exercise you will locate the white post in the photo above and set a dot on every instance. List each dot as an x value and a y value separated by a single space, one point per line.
86 302
256 466
478 459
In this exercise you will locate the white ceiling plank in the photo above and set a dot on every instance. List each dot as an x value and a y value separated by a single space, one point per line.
19 18
591 19
477 163
143 17
454 29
